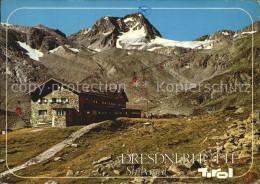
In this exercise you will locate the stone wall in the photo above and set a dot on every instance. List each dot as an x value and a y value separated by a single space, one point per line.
51 116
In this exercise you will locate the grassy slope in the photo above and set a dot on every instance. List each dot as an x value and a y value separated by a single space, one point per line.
24 144
169 136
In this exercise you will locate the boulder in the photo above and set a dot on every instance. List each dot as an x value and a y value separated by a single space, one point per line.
74 145
77 173
104 174
229 146
110 166
98 165
147 123
239 110
116 172
195 165
70 173
187 165
102 160
2 161
173 169
57 159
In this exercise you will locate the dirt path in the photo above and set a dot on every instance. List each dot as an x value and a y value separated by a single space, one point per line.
54 149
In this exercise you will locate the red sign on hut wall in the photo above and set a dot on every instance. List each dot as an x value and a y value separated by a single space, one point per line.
18 111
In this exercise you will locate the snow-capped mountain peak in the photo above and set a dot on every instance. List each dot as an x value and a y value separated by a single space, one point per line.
120 32
132 31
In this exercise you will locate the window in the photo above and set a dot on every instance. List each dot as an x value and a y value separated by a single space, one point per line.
87 112
95 101
42 112
110 103
53 100
65 100
58 100
60 112
43 100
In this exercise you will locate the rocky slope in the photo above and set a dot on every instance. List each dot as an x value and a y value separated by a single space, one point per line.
229 34
113 51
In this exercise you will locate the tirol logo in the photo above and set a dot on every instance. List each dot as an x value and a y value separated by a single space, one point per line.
216 173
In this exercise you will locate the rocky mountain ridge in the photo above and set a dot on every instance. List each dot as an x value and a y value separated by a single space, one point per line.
106 32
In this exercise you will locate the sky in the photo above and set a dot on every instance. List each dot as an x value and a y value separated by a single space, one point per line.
174 24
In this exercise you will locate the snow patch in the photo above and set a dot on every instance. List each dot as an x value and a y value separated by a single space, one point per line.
249 32
72 49
154 48
97 50
86 31
131 38
208 46
54 50
32 53
129 19
184 44
106 18
135 39
107 33
2 23
225 33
